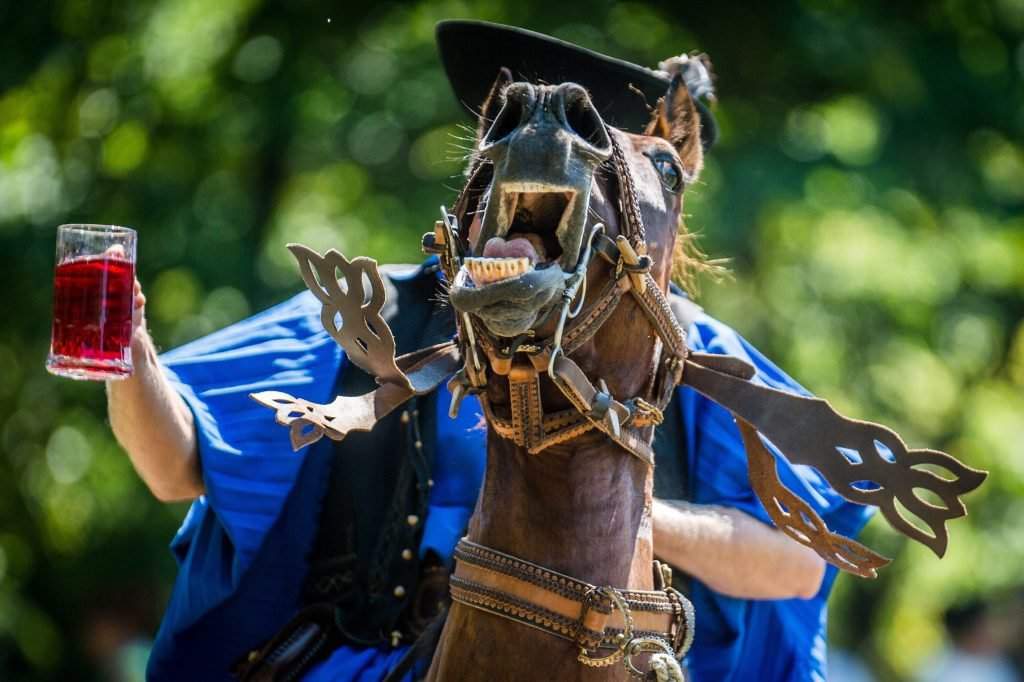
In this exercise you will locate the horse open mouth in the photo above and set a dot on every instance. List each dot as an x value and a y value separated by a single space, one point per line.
530 226
519 273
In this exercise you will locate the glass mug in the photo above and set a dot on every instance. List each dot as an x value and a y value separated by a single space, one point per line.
93 298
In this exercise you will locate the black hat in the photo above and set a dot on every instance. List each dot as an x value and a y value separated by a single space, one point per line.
473 52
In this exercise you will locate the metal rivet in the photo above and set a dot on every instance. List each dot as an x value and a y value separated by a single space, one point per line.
430 483
412 519
405 417
396 637
418 444
407 554
399 591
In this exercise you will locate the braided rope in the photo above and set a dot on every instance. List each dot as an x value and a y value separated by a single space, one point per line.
634 222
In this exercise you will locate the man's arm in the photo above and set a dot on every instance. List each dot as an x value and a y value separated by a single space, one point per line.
151 421
734 553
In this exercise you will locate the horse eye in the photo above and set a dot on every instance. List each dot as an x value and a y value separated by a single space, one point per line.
670 176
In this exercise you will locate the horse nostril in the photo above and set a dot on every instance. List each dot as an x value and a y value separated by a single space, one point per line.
510 116
583 119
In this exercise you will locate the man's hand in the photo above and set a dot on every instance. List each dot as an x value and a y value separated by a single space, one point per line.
152 422
734 553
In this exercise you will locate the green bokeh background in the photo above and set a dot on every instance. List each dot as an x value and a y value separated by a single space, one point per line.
868 187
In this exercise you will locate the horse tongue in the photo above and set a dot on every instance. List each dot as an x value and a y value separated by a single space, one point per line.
496 247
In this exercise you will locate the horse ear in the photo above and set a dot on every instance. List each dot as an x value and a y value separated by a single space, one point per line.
676 119
492 105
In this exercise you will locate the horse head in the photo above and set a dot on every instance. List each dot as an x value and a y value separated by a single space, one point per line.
552 188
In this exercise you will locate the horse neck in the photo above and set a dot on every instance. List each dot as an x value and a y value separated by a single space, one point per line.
581 508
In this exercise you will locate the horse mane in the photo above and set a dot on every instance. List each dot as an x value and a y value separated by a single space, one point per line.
691 264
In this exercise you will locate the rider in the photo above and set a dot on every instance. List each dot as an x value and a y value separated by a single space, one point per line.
329 562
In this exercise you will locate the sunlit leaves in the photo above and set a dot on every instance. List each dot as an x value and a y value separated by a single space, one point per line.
258 59
183 40
175 293
848 127
31 186
1001 164
440 153
124 149
98 113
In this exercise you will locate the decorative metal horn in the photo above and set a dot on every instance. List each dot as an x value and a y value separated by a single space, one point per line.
351 314
882 473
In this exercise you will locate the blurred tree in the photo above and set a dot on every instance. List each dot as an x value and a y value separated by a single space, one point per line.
868 185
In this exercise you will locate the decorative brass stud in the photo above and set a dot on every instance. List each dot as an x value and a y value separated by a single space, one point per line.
412 519
399 591
407 554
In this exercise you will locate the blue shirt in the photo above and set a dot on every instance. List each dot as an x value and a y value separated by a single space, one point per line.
243 545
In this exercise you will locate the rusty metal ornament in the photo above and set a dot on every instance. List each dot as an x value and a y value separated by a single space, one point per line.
864 462
368 342
796 518
362 332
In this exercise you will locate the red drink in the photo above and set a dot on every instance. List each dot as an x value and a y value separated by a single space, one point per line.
93 297
92 309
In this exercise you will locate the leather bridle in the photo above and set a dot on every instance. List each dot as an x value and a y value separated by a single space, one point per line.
525 360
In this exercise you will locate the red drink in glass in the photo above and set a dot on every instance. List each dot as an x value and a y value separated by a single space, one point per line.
93 297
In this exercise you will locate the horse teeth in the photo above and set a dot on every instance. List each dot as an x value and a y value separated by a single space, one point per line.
490 270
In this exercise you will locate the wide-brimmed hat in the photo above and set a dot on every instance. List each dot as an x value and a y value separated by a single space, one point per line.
473 52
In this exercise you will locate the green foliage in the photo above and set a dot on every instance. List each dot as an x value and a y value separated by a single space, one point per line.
868 186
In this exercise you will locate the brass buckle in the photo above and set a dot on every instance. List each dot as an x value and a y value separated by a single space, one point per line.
645 645
682 622
590 601
622 640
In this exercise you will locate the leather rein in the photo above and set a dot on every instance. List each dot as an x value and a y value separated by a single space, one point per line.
627 622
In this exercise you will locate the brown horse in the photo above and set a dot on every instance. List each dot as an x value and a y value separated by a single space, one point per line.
583 507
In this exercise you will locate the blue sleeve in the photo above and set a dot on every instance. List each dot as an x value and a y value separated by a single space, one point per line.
247 462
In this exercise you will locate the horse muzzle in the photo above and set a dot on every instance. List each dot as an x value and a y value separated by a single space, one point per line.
545 146
511 305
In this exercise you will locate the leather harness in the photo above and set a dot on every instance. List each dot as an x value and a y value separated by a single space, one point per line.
628 622
593 405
